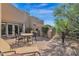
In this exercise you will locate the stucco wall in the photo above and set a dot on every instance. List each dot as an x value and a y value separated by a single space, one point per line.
36 21
11 14
0 20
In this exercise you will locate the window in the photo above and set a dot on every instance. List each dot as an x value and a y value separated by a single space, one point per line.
9 29
20 28
3 29
16 29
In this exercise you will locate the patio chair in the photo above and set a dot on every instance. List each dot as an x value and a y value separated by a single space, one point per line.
6 50
18 39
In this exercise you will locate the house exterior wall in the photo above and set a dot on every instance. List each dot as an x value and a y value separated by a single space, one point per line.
36 21
11 14
38 24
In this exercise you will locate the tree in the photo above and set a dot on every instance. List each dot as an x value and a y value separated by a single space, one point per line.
45 29
61 25
69 12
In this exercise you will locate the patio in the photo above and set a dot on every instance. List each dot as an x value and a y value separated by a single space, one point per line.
46 47
40 44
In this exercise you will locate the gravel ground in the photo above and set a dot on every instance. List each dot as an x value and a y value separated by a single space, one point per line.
70 48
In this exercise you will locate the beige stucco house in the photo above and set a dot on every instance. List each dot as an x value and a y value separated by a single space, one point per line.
15 21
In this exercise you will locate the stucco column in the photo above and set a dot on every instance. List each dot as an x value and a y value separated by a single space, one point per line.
0 20
13 31
6 29
0 27
41 32
23 28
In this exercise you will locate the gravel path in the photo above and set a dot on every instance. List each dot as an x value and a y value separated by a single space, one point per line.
70 48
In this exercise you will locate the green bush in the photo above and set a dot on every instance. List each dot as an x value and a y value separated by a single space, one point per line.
45 29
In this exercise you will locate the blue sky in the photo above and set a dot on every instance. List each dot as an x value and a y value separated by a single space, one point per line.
43 11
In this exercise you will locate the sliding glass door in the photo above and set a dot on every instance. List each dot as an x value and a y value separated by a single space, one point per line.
3 29
20 28
10 29
16 29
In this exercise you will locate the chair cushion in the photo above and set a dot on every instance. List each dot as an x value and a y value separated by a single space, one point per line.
26 49
4 46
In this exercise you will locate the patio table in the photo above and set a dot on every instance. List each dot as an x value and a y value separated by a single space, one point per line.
28 36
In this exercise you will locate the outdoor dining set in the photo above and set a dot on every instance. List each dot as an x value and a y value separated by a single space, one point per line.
25 38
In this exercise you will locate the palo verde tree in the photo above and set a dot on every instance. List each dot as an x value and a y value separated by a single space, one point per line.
69 14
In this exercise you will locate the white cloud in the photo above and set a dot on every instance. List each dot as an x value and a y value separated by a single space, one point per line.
43 4
45 11
41 11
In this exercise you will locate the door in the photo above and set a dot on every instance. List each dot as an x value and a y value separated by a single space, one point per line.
16 29
10 29
3 29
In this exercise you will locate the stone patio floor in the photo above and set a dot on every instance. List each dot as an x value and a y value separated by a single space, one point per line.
54 47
